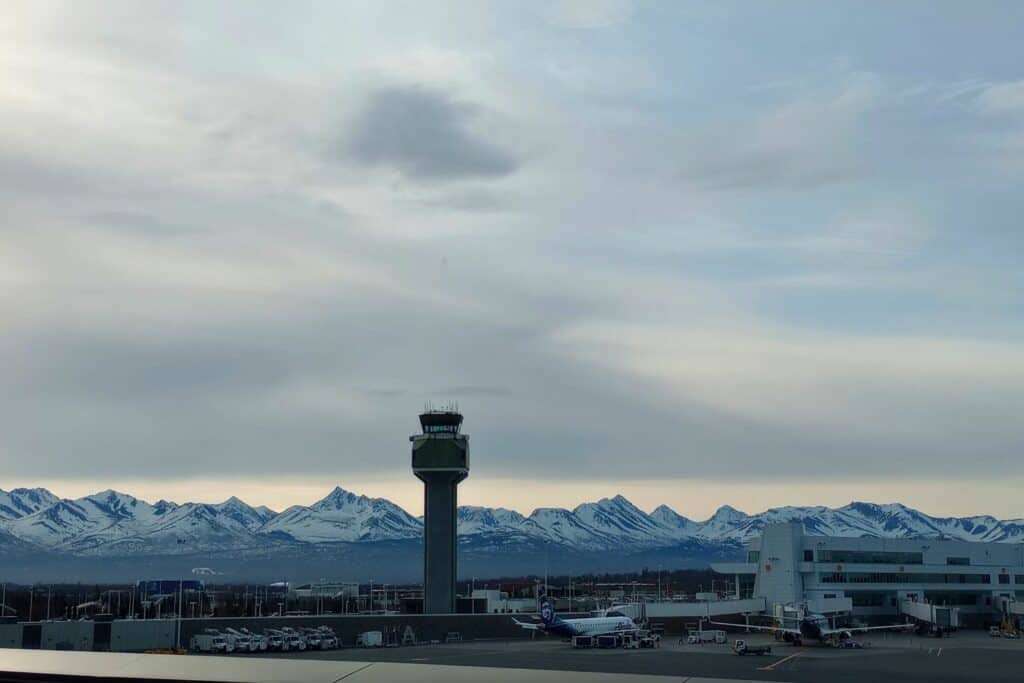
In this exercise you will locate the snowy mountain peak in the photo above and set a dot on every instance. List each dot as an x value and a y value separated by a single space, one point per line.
343 516
21 502
112 497
727 513
338 498
618 502
616 517
667 517
241 512
163 506
481 520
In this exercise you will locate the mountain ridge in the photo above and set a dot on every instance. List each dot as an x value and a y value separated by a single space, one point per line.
111 523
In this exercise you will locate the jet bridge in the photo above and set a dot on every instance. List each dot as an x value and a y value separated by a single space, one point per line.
657 610
945 617
1009 607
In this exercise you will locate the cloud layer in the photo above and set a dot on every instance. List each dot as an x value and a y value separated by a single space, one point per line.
626 238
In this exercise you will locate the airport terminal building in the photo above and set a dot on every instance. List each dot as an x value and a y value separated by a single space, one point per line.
878 577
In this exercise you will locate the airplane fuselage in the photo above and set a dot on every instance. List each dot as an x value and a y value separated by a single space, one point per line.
814 627
589 626
810 628
567 628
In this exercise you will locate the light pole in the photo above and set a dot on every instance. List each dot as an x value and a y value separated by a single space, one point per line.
181 596
547 548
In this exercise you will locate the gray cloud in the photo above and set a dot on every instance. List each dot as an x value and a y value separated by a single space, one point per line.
425 135
472 201
769 169
808 142
21 174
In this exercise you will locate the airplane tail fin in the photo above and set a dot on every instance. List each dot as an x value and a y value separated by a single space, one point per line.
547 611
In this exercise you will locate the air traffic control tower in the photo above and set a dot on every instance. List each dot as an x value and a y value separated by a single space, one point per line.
440 459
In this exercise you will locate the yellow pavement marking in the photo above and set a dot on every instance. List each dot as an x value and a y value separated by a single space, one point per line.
772 666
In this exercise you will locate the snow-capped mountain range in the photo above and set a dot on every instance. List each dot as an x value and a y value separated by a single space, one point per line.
116 524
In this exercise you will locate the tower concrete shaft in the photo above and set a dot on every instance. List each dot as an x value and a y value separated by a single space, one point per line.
440 540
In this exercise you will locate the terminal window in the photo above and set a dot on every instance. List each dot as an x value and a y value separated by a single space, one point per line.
1019 579
869 557
963 599
1004 578
753 555
901 577
868 599
958 560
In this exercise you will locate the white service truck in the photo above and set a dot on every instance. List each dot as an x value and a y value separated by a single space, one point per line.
242 642
296 641
329 640
276 640
260 641
701 637
209 642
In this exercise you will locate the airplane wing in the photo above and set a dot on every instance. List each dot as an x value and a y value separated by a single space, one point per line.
528 626
862 629
617 631
771 629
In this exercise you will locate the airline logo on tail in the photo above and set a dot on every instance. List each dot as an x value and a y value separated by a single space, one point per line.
547 612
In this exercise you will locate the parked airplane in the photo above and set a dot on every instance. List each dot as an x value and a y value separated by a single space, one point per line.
813 627
592 626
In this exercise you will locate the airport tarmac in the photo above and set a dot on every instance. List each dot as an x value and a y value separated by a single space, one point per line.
968 656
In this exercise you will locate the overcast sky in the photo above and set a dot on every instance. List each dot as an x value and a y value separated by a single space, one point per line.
744 253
